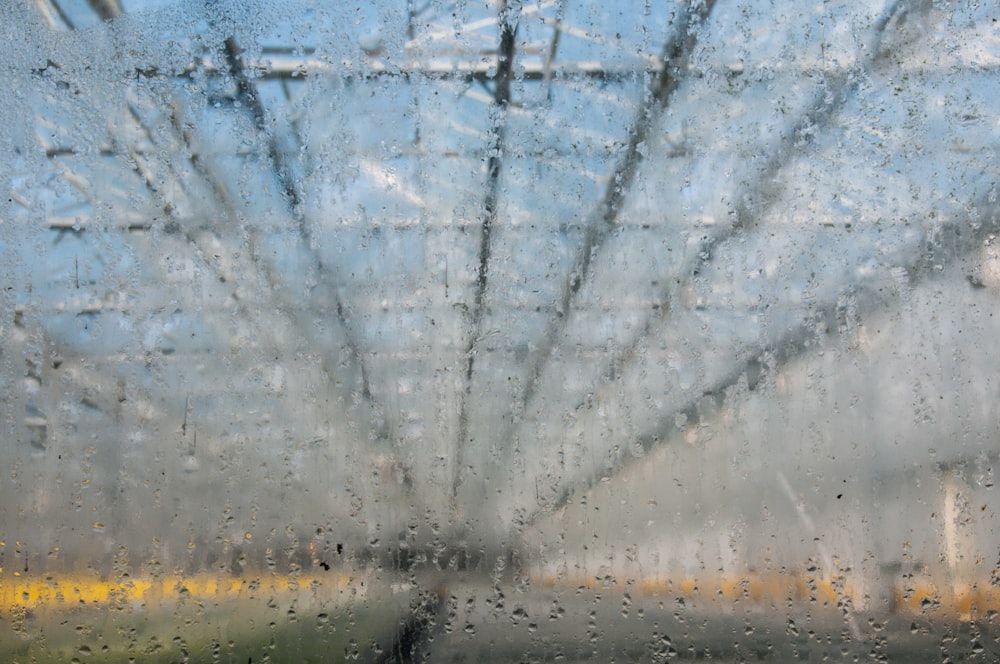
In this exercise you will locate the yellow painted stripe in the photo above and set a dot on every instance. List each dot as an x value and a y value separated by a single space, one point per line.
69 590
965 600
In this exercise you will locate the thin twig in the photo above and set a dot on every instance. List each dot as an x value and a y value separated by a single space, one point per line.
827 101
250 97
676 58
960 239
106 9
508 19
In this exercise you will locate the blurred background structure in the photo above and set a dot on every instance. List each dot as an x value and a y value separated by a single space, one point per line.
441 321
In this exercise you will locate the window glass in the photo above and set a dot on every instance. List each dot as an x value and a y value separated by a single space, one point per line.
518 331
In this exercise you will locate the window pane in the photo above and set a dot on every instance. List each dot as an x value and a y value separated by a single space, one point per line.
431 331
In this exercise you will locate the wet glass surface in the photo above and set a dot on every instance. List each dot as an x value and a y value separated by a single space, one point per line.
444 331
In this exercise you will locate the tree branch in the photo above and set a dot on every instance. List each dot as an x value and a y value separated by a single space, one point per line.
495 148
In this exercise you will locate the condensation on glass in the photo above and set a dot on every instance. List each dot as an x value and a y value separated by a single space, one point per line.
528 331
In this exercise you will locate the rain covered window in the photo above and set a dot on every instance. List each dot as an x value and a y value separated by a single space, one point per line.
496 330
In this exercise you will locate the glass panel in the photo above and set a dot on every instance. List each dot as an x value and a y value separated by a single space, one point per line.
435 331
